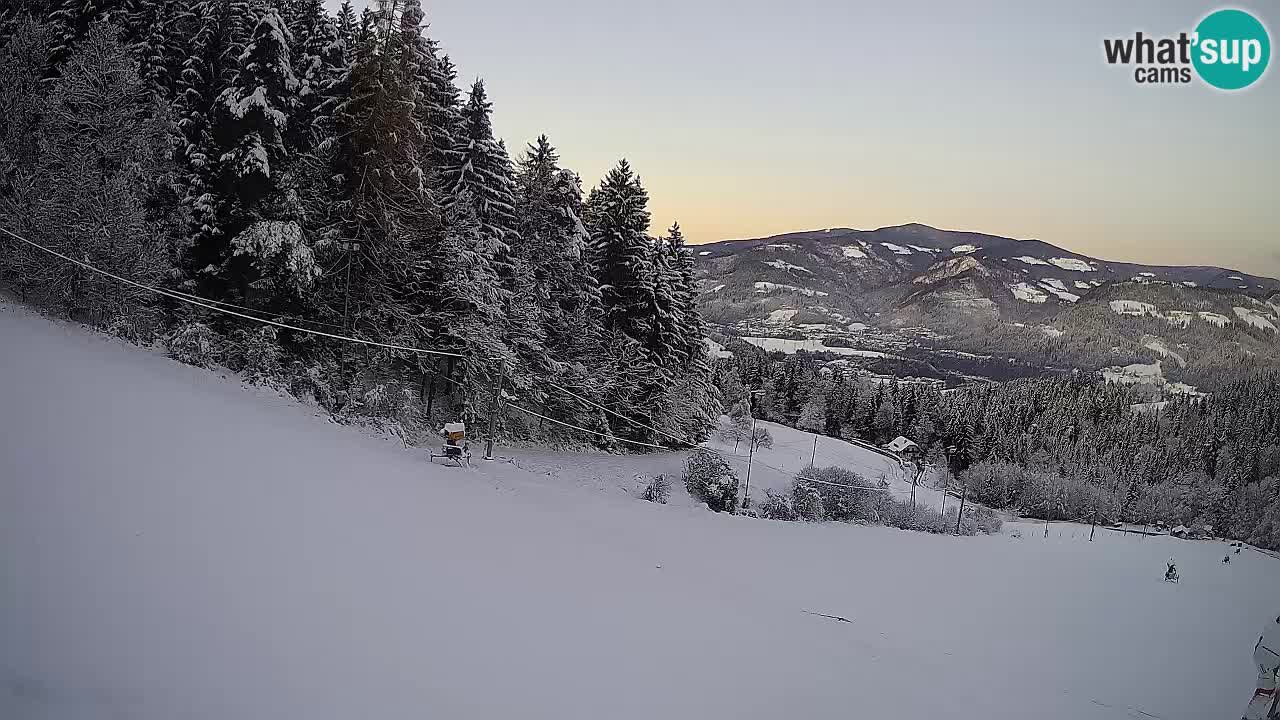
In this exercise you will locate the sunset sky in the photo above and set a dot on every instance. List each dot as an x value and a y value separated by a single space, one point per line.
750 117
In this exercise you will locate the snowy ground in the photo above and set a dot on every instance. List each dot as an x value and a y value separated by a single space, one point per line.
175 545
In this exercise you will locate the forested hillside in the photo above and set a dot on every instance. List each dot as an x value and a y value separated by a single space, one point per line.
1065 447
272 160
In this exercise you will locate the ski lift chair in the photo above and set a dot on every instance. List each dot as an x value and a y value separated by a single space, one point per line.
455 446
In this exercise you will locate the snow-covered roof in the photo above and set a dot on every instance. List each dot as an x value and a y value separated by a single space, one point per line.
899 444
1179 529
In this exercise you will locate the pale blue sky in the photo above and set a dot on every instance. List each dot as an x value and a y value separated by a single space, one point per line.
747 118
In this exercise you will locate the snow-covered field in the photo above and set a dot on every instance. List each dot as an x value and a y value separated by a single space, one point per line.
176 545
791 347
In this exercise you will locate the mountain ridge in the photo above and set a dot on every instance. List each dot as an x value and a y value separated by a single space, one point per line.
934 234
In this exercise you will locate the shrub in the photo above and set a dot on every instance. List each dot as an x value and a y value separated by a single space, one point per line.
920 518
842 494
657 490
194 343
987 520
709 478
255 352
807 502
777 506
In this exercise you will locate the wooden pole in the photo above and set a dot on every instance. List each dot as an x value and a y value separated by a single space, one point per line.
814 455
964 493
1094 525
493 412
751 452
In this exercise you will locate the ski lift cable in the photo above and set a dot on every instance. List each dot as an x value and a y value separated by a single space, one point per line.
253 310
213 305
633 421
527 411
215 308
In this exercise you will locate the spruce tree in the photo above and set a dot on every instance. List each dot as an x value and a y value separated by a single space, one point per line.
617 217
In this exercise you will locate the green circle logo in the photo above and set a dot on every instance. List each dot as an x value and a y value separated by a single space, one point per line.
1232 49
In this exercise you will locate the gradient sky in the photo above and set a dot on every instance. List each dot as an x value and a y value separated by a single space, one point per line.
750 117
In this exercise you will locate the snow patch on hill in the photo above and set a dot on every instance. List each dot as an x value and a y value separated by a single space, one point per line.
1031 260
1159 347
1057 287
1133 307
1075 264
1028 293
768 287
782 315
923 249
1082 285
897 249
784 265
853 251
1255 318
964 249
1215 318
782 246
716 350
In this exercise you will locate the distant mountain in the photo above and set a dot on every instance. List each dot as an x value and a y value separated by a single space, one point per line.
1025 299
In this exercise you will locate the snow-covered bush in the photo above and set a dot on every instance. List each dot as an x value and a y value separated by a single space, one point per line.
987 520
194 343
904 516
255 352
777 506
844 494
710 479
311 383
806 502
657 490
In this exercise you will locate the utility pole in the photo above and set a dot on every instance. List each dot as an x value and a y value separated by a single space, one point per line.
945 481
751 446
914 477
1048 503
751 451
1093 526
493 412
964 493
814 456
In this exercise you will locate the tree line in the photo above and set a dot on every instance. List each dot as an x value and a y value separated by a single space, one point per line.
326 171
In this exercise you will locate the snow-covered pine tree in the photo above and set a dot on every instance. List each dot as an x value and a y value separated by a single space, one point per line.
318 60
485 176
259 253
379 211
444 117
554 241
617 217
219 30
346 25
703 404
82 193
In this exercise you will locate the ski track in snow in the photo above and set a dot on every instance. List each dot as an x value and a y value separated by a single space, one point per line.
176 545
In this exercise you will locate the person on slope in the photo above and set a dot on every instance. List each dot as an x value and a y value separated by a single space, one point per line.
1266 655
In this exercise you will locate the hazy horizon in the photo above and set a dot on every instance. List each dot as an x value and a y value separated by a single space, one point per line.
746 122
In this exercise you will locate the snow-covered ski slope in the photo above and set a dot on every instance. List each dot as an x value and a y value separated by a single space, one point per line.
176 545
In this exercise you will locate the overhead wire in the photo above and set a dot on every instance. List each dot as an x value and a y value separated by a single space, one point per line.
209 306
224 308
